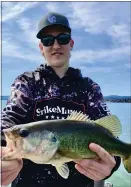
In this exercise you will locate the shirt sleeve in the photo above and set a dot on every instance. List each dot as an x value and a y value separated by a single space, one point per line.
19 105
96 105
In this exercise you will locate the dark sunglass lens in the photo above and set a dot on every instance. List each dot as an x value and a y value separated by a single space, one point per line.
63 39
47 41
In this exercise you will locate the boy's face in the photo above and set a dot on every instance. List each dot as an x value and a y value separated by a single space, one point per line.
56 55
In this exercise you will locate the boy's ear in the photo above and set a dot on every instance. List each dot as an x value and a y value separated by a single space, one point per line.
72 43
40 46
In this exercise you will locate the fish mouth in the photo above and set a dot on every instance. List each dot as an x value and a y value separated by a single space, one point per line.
10 139
11 136
8 134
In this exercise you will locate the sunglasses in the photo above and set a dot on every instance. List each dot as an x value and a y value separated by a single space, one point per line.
62 39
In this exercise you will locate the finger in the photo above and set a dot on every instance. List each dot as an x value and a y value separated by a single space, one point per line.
5 174
77 160
98 176
95 165
9 178
11 165
88 173
102 153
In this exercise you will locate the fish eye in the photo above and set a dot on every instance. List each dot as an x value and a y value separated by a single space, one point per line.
53 139
23 133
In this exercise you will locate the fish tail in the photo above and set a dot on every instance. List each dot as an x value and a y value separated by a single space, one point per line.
127 163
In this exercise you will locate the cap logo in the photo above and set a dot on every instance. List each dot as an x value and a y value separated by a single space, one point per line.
52 19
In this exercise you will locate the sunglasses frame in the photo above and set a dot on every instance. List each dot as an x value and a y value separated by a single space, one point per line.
55 38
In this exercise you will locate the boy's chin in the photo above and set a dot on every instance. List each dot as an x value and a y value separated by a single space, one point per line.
57 64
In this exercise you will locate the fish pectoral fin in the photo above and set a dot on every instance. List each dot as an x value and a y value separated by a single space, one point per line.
63 170
112 123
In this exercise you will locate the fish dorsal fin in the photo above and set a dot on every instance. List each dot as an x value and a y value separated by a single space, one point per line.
78 116
63 170
112 123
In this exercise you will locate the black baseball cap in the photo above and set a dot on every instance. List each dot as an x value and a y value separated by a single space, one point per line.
50 19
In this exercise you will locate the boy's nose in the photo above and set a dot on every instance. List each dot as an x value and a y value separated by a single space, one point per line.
56 45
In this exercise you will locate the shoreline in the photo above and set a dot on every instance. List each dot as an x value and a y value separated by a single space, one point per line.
108 101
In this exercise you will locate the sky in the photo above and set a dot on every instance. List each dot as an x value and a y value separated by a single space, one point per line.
100 30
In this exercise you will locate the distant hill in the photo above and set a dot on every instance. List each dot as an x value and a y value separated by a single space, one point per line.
4 97
116 98
111 98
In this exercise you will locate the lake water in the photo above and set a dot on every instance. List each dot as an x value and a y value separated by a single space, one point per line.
123 110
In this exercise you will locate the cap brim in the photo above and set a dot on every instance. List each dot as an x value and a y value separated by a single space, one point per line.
39 34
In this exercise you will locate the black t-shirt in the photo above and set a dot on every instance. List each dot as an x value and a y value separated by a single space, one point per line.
35 175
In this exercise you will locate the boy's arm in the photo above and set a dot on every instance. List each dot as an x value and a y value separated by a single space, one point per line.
18 107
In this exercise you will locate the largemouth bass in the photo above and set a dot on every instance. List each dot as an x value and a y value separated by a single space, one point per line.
57 142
